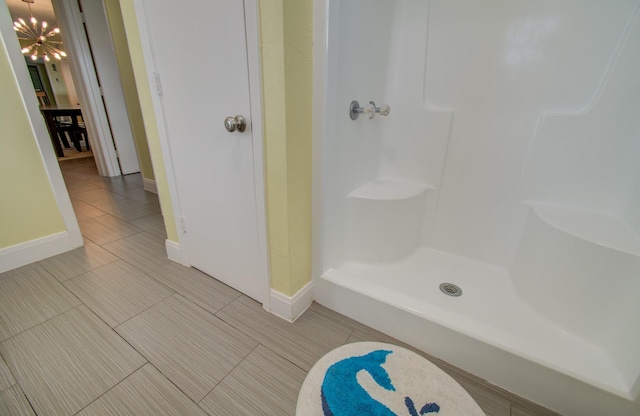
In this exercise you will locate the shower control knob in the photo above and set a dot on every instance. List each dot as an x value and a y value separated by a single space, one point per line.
237 123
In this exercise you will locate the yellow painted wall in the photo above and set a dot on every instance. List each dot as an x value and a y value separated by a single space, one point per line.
28 209
121 48
286 49
275 137
148 115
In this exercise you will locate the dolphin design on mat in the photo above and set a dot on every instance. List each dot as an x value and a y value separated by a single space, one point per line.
341 393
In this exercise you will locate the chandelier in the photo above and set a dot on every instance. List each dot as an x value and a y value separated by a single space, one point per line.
39 35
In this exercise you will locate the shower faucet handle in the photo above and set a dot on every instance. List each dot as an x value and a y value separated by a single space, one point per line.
383 110
370 110
355 110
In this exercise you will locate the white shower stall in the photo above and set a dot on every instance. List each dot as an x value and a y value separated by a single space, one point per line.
509 166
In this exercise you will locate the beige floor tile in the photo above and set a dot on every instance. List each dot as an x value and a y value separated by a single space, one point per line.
14 403
144 393
134 178
138 194
363 333
302 342
335 316
6 378
18 270
153 224
524 408
90 179
29 298
198 287
85 211
146 251
117 183
264 383
76 262
491 403
154 203
76 185
319 325
69 361
128 209
97 196
86 174
117 291
106 228
193 348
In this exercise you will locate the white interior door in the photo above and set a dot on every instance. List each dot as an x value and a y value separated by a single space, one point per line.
200 57
106 65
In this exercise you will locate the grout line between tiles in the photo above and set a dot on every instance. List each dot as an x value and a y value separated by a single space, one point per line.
229 373
174 384
126 261
240 327
142 311
111 388
26 397
47 320
15 379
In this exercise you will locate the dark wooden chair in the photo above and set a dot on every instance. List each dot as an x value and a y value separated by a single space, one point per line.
76 130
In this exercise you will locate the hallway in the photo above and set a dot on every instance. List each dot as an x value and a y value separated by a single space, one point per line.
115 327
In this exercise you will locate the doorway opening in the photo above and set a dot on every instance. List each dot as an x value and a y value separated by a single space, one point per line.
87 78
48 67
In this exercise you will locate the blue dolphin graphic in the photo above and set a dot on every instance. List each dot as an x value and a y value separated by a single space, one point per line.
341 393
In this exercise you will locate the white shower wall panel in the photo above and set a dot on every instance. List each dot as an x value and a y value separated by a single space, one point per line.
499 66
358 50
599 143
512 148
631 211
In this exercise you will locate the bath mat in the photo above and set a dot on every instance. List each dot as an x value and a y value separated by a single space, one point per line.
372 378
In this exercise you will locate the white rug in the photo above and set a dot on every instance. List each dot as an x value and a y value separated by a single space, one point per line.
372 378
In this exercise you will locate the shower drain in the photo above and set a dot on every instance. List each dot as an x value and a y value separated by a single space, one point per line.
450 289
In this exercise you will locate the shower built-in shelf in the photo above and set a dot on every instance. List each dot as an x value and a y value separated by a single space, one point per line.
384 218
595 227
389 189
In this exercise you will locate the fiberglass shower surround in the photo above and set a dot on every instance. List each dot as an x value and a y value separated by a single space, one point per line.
509 166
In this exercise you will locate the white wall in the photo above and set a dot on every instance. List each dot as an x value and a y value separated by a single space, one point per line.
68 80
57 81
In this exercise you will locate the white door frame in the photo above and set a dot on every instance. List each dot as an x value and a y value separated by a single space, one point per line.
103 50
86 81
255 94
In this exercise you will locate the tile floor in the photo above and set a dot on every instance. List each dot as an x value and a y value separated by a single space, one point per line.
114 328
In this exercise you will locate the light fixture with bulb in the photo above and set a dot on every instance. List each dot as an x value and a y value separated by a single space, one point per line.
39 34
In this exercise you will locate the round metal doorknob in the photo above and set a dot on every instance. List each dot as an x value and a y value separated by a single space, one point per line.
238 123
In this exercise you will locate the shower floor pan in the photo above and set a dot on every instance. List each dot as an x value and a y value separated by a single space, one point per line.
488 330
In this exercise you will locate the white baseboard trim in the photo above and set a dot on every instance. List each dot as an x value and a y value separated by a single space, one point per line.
290 308
175 253
35 250
150 185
